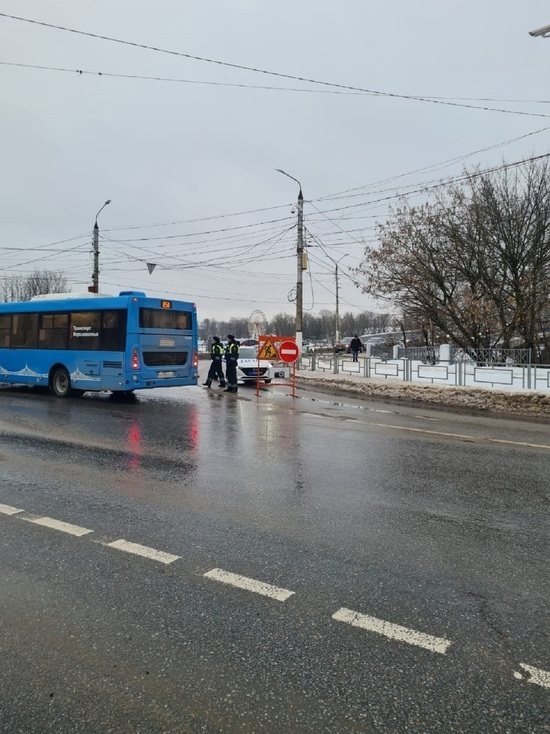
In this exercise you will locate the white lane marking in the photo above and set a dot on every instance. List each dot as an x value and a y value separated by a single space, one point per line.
393 631
519 443
242 582
143 550
466 437
64 527
536 675
431 433
7 510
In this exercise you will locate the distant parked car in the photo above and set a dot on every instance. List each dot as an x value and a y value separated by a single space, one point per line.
343 345
385 337
248 342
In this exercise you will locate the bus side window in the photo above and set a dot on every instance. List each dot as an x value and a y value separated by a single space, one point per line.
24 332
52 333
84 330
113 331
5 328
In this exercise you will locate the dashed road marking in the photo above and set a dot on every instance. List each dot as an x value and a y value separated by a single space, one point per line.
536 675
143 550
393 631
242 582
7 510
64 527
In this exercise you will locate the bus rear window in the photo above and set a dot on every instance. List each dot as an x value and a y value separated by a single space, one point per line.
156 318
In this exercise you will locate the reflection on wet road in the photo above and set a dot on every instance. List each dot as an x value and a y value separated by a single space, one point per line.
417 528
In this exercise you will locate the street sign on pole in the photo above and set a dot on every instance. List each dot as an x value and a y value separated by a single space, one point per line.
289 352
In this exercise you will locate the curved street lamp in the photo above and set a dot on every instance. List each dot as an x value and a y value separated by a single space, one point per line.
95 277
544 32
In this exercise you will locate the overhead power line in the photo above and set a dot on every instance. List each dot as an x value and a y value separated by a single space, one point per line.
278 74
443 182
142 77
347 193
261 87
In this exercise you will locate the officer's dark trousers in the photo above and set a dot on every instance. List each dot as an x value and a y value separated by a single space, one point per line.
216 371
231 374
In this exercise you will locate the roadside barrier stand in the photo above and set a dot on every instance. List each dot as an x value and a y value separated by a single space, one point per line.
283 350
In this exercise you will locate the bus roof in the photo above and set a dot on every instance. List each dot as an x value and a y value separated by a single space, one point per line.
56 302
71 295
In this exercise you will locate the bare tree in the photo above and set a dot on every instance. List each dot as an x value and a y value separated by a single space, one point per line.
474 263
40 282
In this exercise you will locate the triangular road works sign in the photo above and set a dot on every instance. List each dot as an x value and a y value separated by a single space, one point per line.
268 350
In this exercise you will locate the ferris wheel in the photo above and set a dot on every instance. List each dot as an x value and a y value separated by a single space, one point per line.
257 323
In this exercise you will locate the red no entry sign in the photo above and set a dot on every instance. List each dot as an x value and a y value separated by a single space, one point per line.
289 352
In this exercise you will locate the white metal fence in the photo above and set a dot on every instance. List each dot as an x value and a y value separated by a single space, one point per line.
442 372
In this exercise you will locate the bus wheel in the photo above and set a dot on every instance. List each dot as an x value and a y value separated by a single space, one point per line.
61 383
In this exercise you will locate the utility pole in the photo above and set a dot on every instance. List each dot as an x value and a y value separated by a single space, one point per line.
299 274
300 261
337 329
337 325
94 288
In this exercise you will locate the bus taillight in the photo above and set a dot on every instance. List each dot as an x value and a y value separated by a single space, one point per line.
135 359
195 358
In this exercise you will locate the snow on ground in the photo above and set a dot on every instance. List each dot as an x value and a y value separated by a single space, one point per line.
532 403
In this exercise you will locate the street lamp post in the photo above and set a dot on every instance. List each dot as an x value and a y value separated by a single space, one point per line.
95 277
300 261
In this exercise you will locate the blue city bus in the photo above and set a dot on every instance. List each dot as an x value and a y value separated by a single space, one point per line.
73 343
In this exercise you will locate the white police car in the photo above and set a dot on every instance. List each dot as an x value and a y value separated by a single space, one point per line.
248 366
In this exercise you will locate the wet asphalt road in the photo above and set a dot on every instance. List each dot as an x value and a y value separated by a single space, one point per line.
433 521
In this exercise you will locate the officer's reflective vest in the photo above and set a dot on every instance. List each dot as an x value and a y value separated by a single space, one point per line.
232 350
217 350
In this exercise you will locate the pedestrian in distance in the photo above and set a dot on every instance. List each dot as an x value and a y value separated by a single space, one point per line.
216 366
355 346
231 357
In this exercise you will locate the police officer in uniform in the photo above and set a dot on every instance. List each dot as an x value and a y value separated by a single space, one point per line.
216 369
231 357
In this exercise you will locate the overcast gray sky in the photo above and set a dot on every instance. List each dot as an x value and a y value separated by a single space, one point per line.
170 152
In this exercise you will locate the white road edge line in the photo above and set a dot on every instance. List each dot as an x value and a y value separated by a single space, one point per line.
393 631
467 437
143 550
7 510
242 582
536 675
64 527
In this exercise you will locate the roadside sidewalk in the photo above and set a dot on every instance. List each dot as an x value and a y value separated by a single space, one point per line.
528 404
